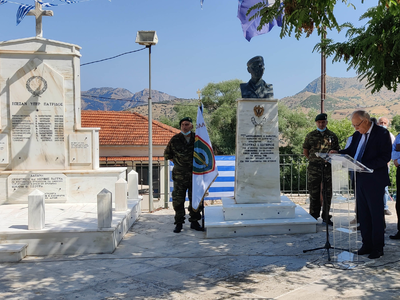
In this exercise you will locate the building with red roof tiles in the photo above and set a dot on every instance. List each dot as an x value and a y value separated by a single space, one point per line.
124 143
124 135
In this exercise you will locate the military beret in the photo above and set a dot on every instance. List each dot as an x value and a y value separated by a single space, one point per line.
185 119
255 59
321 117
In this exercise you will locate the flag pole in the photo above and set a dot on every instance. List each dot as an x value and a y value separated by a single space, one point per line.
202 209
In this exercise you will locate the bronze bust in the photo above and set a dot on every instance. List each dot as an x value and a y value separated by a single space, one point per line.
256 87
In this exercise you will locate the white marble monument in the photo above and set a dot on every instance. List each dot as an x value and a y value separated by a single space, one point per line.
257 207
42 143
49 161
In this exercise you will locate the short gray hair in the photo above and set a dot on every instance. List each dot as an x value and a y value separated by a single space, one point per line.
362 114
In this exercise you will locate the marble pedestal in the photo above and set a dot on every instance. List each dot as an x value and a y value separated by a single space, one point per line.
257 207
232 220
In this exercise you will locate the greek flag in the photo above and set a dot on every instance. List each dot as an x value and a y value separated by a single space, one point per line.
47 4
250 27
205 170
2 2
69 1
223 186
23 9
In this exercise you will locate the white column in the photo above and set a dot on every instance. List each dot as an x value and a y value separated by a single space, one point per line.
133 185
36 210
121 188
104 209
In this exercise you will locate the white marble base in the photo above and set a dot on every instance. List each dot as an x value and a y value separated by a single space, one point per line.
77 186
12 252
282 210
218 227
70 228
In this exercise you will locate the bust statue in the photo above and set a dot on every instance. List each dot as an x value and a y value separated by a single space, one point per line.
256 87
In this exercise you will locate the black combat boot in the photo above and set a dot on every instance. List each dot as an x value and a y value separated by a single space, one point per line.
196 226
178 228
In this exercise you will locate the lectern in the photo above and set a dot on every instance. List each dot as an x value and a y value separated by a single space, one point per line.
345 238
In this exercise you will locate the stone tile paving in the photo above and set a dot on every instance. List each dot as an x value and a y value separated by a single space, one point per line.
152 262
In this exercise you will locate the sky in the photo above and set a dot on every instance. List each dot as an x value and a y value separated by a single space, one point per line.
196 45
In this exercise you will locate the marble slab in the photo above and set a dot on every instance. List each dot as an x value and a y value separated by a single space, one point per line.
233 211
80 148
4 153
12 252
37 118
257 152
71 229
218 227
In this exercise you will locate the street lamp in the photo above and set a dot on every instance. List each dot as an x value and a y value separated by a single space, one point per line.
148 39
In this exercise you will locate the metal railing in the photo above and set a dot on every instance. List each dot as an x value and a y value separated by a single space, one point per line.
293 174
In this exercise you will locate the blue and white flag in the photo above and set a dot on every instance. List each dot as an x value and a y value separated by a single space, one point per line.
250 27
23 9
3 2
205 170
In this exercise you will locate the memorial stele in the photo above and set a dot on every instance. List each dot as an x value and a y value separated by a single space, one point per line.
257 207
42 143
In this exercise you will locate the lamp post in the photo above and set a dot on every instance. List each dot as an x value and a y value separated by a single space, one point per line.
148 39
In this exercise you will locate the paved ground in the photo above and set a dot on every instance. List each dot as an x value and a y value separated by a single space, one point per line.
154 263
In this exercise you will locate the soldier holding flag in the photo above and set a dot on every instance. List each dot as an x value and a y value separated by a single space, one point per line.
180 151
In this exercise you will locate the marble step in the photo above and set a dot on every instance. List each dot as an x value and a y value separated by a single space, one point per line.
218 227
12 252
259 211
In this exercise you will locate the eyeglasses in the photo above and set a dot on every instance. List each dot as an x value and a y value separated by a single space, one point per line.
357 125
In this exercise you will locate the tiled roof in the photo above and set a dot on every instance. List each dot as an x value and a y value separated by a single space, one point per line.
129 158
126 128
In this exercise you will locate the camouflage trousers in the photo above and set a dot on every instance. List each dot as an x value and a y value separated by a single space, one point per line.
183 183
314 188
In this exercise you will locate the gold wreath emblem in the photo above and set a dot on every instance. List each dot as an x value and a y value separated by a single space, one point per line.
258 110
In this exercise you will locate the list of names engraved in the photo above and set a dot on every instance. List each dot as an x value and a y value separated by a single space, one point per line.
52 185
258 148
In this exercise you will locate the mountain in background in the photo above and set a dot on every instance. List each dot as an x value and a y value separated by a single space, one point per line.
343 96
119 99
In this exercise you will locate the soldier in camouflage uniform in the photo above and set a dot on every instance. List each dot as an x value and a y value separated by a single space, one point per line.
320 140
180 151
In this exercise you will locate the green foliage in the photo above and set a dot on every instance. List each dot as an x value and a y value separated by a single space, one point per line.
219 100
342 128
183 110
293 128
300 17
396 124
373 50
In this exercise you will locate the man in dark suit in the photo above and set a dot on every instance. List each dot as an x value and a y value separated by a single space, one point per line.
371 145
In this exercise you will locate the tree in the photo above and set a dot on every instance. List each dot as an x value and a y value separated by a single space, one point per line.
183 110
373 51
396 123
219 101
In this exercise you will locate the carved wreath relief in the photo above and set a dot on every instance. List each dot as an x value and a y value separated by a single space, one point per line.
36 85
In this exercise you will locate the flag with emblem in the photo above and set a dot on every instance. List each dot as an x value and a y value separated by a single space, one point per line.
205 170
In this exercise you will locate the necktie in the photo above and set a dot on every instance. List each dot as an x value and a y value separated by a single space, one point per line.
362 149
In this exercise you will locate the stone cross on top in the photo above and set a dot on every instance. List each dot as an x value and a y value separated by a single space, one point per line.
38 13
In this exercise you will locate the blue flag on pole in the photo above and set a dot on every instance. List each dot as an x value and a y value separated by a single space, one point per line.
205 170
250 27
2 2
